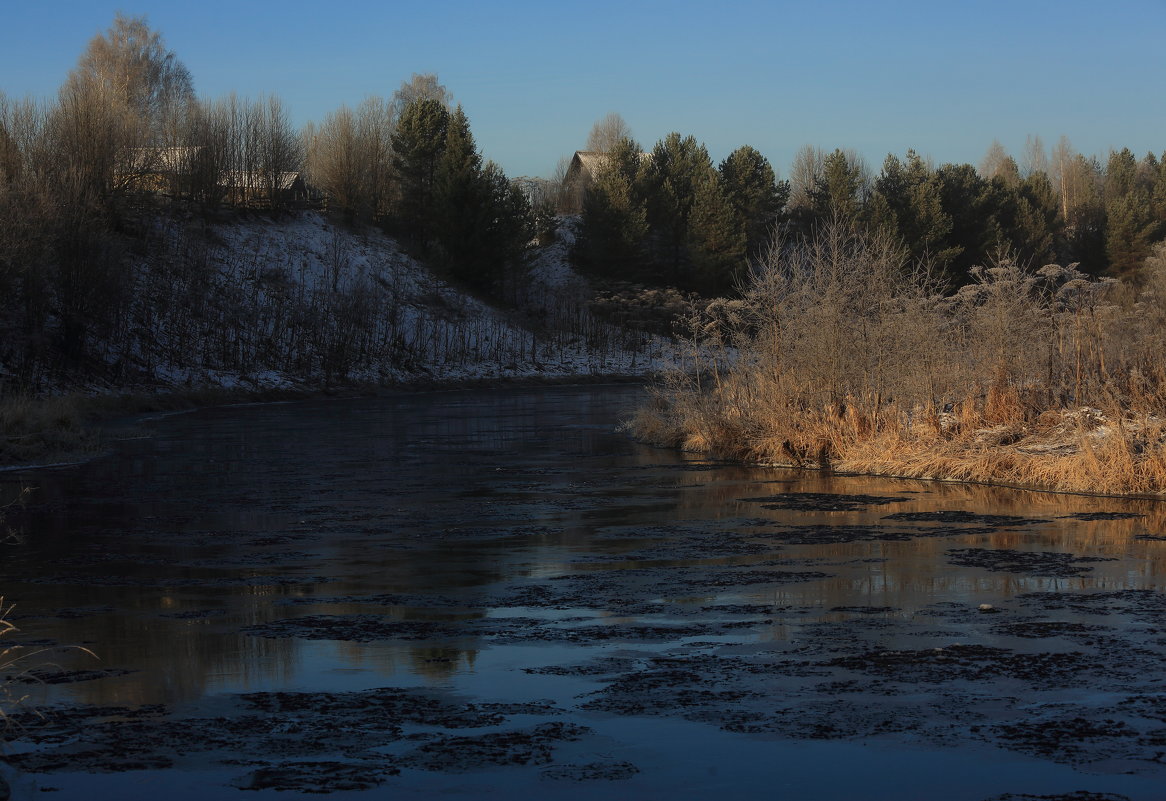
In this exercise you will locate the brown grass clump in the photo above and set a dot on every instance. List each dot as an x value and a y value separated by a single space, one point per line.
846 356
44 429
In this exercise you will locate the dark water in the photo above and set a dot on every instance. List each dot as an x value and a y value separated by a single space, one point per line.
494 594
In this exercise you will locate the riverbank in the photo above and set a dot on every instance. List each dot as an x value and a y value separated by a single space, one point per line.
847 356
1081 450
277 302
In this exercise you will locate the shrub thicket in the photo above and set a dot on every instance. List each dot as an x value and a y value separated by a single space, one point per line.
844 354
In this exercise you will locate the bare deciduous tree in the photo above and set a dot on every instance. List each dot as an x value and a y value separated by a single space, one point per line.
333 160
375 121
125 100
998 164
804 175
276 146
421 87
349 156
607 132
1061 168
1036 159
130 65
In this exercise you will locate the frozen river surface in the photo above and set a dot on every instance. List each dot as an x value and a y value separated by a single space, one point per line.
495 595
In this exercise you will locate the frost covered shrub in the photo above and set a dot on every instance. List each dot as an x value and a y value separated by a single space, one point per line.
846 354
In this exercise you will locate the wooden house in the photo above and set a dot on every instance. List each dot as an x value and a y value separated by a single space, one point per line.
585 165
263 189
158 170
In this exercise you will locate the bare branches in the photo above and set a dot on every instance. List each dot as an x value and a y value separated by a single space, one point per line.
607 133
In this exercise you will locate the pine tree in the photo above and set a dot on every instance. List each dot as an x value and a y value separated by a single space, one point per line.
677 167
614 221
839 191
716 238
756 196
458 202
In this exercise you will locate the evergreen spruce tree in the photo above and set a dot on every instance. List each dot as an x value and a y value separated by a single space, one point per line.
907 200
888 200
458 207
1121 173
507 228
418 142
1039 225
1131 225
1085 225
971 203
1130 230
1158 192
482 223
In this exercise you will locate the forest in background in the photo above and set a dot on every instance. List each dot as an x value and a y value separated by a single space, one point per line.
669 215
127 141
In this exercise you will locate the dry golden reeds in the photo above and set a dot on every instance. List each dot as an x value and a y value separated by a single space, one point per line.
851 360
9 659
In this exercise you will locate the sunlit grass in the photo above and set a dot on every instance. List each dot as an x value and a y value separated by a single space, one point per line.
847 357
12 661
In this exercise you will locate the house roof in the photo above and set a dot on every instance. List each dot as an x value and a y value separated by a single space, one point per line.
244 179
178 160
585 163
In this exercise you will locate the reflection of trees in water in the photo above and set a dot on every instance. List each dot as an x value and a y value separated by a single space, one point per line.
174 660
412 496
722 490
436 662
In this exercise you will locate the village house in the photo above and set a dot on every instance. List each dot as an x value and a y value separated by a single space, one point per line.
585 165
160 170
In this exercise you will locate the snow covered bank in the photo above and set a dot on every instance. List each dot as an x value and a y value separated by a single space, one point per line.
298 302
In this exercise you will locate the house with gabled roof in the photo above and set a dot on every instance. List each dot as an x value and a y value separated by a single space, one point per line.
585 165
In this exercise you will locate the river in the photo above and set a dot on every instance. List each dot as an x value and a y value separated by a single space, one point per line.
491 594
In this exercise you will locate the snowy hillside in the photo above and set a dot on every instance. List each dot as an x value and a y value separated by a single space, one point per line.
301 302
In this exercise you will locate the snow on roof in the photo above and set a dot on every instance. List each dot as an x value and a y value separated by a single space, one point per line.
160 159
253 179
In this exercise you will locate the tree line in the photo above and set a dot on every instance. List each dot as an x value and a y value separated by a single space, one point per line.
668 215
83 175
126 138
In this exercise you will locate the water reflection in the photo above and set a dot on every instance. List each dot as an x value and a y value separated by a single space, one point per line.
445 509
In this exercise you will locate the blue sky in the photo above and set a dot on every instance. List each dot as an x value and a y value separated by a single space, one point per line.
944 78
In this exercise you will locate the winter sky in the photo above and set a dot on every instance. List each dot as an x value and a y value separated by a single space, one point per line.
939 76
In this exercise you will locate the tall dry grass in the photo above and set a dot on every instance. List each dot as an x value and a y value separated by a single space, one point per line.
10 664
44 429
845 354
